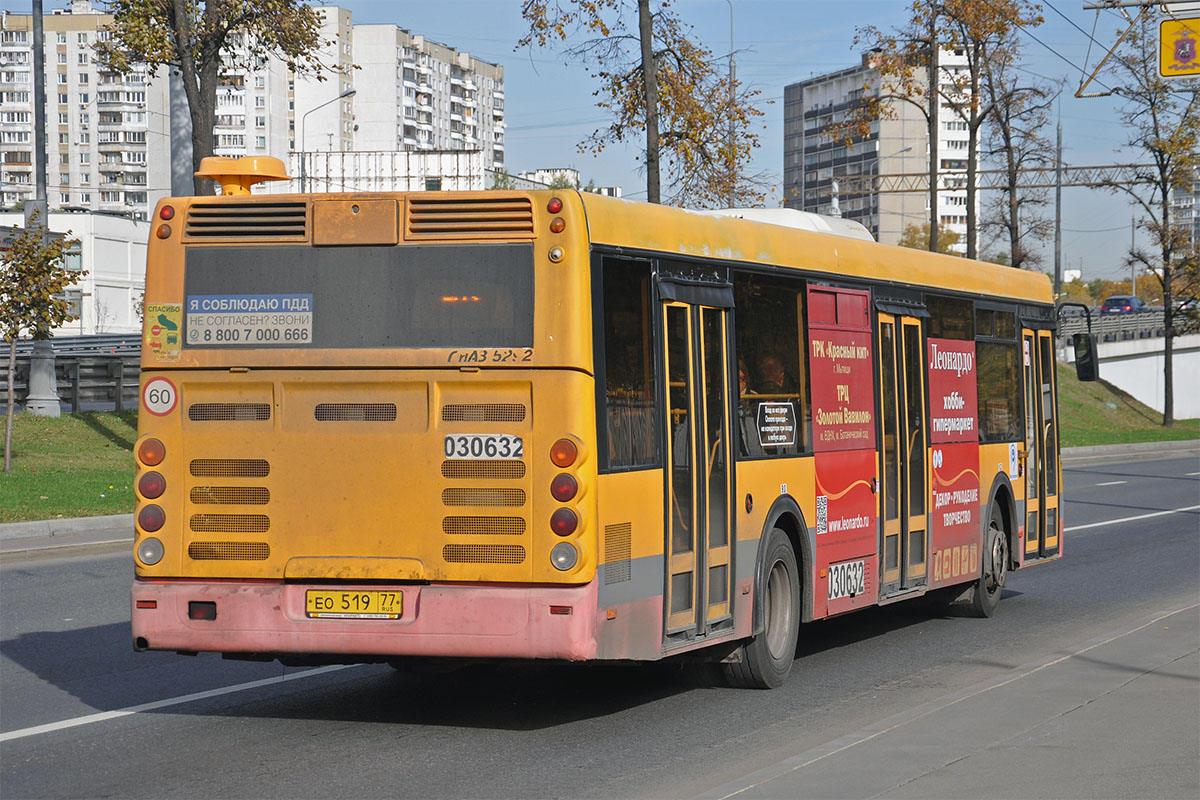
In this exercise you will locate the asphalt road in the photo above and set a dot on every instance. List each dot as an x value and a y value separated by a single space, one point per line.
81 715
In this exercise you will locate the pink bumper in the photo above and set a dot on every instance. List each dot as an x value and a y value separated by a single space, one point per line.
489 621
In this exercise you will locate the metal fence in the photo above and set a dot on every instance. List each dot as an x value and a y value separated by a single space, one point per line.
90 371
1135 325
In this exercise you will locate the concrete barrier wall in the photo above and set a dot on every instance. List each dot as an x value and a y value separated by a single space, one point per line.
1136 366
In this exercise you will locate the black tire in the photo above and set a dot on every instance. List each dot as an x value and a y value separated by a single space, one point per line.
765 661
984 596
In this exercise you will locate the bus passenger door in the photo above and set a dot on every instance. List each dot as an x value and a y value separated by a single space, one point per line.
1041 446
904 473
699 569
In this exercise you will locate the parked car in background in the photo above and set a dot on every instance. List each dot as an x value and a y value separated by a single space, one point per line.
1122 304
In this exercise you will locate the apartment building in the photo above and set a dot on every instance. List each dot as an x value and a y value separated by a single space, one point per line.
815 157
104 130
417 94
382 88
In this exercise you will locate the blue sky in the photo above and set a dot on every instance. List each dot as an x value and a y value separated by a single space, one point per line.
549 105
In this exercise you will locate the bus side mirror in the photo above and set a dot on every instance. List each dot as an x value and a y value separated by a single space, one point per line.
1087 365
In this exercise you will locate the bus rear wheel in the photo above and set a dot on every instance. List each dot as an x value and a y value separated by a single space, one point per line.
984 596
765 661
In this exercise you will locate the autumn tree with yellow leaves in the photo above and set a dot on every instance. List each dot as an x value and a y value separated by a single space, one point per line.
201 39
33 278
908 69
658 81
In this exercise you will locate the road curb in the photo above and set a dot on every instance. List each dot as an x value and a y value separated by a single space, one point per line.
61 527
1173 448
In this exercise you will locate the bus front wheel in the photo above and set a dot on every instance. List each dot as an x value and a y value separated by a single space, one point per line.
765 661
984 596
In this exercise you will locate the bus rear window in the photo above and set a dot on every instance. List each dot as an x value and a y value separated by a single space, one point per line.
360 297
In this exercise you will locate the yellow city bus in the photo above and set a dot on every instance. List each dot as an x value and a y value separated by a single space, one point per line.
554 425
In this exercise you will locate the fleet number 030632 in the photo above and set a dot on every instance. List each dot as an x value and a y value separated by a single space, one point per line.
481 446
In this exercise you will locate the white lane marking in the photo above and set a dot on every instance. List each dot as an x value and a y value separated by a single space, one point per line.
1130 519
171 701
1193 474
1112 483
811 757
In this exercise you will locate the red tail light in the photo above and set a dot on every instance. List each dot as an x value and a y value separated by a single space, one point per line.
564 487
152 485
151 518
564 522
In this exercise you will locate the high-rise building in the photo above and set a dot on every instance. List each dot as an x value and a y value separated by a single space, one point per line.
104 130
380 88
1185 205
416 94
815 157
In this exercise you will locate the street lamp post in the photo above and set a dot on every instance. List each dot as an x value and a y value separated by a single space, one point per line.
304 116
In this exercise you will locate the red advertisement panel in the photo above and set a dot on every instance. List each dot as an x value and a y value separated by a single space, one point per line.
955 513
953 408
842 389
846 532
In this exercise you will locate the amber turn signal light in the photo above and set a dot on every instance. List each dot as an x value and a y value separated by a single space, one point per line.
557 224
151 452
563 453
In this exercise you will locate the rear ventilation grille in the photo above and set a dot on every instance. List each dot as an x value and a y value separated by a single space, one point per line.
230 468
229 551
483 497
231 495
617 550
456 218
228 412
483 526
230 523
484 412
247 220
356 412
484 470
483 554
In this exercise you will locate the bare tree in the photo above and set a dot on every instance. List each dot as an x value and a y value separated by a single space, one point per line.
1013 141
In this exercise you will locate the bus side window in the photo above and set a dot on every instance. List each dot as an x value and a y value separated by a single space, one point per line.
771 355
629 395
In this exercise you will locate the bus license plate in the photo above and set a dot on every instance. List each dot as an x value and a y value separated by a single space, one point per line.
847 580
321 604
481 446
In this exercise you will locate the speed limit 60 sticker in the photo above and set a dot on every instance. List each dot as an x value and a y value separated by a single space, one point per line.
159 396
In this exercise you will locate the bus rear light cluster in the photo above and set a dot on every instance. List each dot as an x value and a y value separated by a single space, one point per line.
151 486
564 488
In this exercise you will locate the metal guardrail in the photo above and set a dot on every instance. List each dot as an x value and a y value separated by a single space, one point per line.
100 344
83 380
1135 325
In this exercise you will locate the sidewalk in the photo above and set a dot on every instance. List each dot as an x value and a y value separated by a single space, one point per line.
43 538
1115 718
